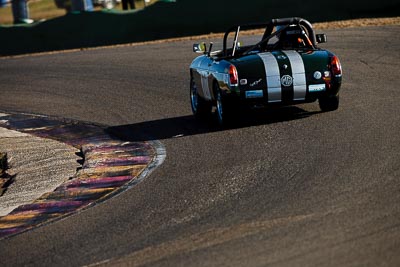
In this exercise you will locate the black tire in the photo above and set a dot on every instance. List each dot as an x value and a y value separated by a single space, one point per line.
200 107
330 103
225 109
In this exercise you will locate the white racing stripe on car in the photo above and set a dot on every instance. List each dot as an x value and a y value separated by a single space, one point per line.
299 74
273 77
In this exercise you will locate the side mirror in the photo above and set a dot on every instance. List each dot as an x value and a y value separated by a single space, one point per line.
321 38
199 48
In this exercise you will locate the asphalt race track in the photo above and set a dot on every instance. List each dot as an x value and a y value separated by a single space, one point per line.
285 187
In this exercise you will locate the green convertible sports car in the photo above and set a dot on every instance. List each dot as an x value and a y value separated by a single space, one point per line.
285 67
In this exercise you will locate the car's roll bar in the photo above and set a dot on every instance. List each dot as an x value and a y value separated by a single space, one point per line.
269 26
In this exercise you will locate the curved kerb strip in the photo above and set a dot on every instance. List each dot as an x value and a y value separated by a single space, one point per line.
110 167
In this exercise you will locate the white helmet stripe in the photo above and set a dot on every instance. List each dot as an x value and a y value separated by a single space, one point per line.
299 74
273 77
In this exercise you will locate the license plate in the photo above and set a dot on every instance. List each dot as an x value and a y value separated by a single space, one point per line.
254 94
316 88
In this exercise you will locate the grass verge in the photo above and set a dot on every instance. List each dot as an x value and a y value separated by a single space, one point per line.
47 9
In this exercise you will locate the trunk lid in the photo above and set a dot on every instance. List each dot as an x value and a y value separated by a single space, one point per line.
283 76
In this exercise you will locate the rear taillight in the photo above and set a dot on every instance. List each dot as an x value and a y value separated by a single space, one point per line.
233 76
336 68
335 71
327 79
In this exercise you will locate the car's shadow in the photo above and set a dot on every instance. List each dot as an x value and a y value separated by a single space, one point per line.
187 125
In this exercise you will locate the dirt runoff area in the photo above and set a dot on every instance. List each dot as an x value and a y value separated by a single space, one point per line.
357 23
354 23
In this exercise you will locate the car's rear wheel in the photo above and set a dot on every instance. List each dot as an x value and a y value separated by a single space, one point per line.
329 103
225 110
200 107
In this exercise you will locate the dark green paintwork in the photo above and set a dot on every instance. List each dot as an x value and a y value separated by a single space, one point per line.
251 68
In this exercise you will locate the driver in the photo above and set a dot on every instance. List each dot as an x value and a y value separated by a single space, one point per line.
292 37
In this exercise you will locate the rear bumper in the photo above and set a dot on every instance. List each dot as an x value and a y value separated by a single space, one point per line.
260 96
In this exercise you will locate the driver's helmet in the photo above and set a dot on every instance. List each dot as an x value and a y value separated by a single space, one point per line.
291 37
